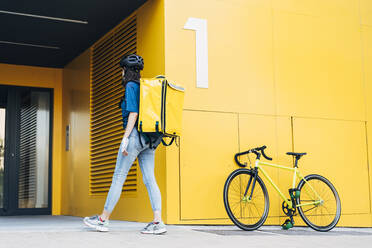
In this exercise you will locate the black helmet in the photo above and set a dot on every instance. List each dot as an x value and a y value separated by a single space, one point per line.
132 61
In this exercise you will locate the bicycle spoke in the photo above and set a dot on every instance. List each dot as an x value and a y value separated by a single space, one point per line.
247 211
323 214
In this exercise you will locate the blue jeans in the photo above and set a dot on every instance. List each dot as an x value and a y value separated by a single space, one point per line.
146 159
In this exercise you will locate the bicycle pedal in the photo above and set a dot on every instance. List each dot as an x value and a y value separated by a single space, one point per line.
287 225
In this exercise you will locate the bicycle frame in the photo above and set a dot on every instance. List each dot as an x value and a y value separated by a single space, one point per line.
296 174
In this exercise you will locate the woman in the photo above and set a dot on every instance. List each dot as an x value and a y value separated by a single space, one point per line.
130 149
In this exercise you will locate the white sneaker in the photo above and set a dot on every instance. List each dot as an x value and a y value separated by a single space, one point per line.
95 223
154 228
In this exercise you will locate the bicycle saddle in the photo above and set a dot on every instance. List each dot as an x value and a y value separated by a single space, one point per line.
296 154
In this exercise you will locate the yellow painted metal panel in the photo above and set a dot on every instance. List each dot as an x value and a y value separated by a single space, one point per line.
329 8
275 133
308 60
31 76
315 74
239 54
366 12
208 144
338 151
356 220
367 63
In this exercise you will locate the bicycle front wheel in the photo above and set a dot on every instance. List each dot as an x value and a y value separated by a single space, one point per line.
247 214
319 204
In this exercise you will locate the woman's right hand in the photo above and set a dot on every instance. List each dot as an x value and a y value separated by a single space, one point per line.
124 145
130 125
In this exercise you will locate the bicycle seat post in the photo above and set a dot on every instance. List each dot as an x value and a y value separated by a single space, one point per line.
297 156
296 161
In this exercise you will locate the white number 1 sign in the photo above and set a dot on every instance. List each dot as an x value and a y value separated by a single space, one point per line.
200 26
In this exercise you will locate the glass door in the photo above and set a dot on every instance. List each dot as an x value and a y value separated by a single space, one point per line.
27 154
3 112
2 149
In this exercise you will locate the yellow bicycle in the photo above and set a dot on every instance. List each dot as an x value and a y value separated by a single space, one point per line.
247 201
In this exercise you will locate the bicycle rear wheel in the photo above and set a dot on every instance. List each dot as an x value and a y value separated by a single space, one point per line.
244 213
320 216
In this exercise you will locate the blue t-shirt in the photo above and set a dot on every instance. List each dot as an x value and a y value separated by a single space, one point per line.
131 101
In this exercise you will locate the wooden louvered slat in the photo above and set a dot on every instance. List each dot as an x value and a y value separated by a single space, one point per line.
109 82
114 101
123 26
105 149
102 192
106 126
106 182
126 44
108 136
101 134
114 97
101 61
101 185
108 93
125 35
131 178
102 117
107 170
112 141
102 51
110 106
106 69
107 173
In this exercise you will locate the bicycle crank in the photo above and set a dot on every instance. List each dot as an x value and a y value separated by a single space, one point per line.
288 211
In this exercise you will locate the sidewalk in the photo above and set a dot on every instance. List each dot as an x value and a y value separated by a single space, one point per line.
69 232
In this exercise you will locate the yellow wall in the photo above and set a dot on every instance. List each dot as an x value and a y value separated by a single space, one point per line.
44 78
272 64
76 199
292 75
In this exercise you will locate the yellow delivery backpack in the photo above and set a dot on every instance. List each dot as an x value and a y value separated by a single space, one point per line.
160 110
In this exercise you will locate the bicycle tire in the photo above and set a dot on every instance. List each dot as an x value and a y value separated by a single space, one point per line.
259 188
313 179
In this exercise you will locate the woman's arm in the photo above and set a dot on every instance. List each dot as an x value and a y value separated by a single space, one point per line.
130 125
131 122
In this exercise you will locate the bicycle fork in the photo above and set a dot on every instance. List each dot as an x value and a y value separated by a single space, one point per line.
254 177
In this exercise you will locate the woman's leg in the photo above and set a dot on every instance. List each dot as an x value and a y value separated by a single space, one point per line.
146 160
123 165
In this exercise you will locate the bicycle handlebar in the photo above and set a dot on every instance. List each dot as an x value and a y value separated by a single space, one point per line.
258 151
263 154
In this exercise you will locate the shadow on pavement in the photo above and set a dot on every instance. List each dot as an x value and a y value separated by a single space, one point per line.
300 232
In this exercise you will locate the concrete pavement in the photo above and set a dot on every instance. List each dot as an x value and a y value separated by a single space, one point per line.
69 232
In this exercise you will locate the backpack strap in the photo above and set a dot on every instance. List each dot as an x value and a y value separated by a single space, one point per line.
170 143
139 138
139 133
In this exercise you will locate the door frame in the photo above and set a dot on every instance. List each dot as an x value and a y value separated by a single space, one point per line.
11 170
